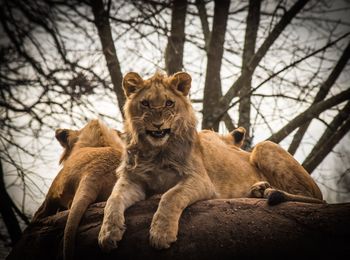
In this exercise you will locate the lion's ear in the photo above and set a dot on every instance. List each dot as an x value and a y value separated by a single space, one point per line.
62 136
238 136
131 83
182 82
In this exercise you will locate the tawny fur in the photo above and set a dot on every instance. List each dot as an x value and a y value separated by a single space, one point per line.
268 188
235 137
90 158
165 154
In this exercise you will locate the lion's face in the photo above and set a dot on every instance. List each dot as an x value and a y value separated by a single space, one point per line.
157 108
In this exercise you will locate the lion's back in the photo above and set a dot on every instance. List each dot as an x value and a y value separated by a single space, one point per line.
228 167
98 161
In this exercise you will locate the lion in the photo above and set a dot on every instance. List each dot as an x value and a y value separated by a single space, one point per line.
165 154
90 158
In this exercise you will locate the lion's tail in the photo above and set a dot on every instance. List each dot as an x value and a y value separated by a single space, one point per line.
275 197
86 194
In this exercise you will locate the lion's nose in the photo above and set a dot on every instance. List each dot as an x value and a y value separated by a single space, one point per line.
157 125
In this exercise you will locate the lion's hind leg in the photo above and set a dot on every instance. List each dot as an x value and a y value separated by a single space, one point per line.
263 189
49 207
283 172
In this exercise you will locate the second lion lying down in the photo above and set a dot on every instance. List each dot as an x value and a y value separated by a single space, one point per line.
165 154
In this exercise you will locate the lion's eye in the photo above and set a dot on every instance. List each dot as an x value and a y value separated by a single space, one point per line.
169 103
145 103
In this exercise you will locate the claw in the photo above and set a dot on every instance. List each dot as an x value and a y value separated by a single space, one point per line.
161 240
108 240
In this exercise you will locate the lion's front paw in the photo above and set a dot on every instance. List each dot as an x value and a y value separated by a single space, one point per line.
109 237
161 236
258 189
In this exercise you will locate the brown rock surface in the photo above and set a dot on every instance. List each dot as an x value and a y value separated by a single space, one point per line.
216 229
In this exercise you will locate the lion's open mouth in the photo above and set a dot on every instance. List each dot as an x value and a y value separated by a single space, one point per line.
158 134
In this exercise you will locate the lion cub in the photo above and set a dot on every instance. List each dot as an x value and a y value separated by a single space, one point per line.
90 158
165 154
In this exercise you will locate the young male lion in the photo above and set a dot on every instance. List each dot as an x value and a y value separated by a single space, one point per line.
165 154
90 158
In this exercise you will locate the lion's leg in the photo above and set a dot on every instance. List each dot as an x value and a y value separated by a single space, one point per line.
164 227
125 193
263 189
282 171
48 208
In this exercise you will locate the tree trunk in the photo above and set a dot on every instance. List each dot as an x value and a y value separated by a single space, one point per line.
225 101
105 33
202 13
175 47
253 20
215 229
212 87
7 213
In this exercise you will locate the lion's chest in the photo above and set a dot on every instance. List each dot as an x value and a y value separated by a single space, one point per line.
156 178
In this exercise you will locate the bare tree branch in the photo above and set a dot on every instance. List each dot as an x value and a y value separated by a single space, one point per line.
322 93
293 64
339 126
275 33
313 111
